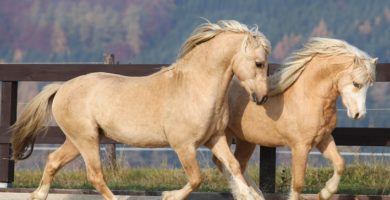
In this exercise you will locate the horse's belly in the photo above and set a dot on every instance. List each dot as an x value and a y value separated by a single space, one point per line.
264 138
139 137
257 132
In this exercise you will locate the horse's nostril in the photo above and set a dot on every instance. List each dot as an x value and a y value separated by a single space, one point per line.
265 98
254 97
356 116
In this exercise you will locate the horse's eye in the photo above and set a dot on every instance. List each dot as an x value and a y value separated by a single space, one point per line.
259 65
357 85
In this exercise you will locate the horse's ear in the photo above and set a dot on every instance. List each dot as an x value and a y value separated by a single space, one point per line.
374 61
249 42
246 43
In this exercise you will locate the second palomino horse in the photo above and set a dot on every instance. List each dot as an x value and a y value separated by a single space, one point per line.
182 106
301 112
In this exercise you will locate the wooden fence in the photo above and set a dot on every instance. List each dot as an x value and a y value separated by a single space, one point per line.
10 74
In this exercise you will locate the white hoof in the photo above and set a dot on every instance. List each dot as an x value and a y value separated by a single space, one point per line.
38 196
256 194
172 195
247 194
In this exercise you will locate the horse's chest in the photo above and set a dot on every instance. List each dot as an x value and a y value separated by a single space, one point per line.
326 127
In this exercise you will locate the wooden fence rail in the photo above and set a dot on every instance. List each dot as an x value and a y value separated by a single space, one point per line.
10 74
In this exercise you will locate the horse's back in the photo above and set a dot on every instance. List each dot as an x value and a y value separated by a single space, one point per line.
120 106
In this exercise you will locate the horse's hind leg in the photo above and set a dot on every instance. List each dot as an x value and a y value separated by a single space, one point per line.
328 148
187 157
89 147
56 160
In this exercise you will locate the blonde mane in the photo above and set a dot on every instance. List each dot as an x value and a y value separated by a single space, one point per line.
294 65
208 30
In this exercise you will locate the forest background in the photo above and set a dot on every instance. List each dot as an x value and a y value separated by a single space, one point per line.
138 31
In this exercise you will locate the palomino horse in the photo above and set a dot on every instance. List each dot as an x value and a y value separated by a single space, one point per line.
182 106
301 112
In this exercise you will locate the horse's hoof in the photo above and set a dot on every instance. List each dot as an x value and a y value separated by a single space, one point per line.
171 195
37 197
165 196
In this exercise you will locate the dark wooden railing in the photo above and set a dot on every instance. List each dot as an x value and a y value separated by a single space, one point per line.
10 74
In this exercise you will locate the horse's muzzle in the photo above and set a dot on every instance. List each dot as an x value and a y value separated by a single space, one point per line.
259 101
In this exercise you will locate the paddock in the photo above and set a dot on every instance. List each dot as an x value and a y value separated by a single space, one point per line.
60 194
10 74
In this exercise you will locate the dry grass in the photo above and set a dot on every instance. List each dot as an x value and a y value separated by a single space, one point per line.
358 179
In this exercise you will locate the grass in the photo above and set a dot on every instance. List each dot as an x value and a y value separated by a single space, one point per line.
357 179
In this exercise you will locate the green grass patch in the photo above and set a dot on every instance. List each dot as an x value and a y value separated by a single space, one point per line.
357 179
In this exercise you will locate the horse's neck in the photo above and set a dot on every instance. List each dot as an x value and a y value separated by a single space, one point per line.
206 70
315 87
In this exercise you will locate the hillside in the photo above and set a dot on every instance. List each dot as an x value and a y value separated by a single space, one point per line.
152 31
139 31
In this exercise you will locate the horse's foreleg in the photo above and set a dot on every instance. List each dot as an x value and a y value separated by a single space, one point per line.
56 160
229 139
299 160
328 148
187 157
243 153
231 167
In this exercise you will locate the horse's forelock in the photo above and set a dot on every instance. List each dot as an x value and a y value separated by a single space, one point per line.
365 69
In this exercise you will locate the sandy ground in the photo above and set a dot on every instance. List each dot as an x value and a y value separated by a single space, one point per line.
25 196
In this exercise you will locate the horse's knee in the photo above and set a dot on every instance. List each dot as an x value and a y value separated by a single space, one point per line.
96 179
298 185
231 164
235 167
340 166
195 182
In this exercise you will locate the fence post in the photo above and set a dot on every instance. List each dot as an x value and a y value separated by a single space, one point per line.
9 94
110 148
267 169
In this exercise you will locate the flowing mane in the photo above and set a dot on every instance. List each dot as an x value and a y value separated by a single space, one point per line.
208 30
294 65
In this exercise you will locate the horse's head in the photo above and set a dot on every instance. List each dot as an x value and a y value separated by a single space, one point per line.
250 65
353 84
248 59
